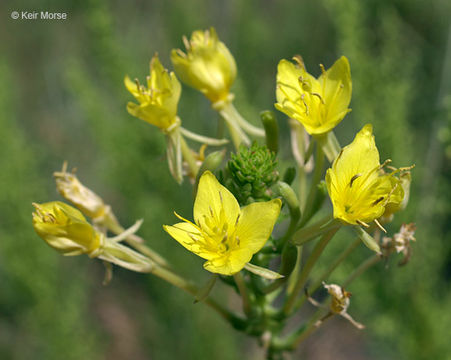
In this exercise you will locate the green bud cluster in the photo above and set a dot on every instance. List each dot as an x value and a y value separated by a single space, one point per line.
250 173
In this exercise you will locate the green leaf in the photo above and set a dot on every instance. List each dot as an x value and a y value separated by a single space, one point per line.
260 271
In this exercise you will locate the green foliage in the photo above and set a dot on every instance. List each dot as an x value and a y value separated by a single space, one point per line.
62 98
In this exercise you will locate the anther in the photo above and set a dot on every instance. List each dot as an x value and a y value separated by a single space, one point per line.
305 104
320 98
298 59
354 178
375 202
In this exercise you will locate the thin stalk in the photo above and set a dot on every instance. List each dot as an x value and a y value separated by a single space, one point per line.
228 113
181 283
203 139
317 176
247 127
136 243
309 233
291 341
189 157
112 224
344 254
372 260
239 280
329 143
301 281
302 187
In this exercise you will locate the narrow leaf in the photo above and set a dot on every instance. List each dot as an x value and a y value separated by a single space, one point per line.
260 271
203 293
368 240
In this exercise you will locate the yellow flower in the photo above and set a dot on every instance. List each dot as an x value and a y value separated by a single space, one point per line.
223 234
207 66
65 229
158 102
357 185
318 104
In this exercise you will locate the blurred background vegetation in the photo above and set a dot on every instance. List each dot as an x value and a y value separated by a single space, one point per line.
62 98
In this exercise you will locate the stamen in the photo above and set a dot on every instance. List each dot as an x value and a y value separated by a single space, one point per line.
364 224
379 225
375 202
237 218
386 162
181 53
305 104
355 177
186 43
298 59
320 98
323 70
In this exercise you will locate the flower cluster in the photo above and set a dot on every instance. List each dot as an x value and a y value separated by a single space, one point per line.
251 225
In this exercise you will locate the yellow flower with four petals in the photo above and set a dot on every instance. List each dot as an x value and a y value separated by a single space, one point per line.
222 233
318 104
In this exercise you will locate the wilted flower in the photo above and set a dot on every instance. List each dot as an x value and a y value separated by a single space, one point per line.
222 233
318 104
340 302
207 66
65 229
340 298
158 102
357 186
400 242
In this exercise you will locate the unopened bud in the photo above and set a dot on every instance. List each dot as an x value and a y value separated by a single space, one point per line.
65 229
269 121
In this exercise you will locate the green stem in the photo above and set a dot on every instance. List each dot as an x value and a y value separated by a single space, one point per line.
309 233
188 156
203 139
329 144
301 281
317 176
242 123
372 260
302 187
239 280
229 114
110 221
291 341
316 284
192 289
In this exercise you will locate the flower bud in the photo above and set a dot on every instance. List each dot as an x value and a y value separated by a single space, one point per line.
207 66
65 229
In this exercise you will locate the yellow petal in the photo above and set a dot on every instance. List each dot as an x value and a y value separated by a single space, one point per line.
357 158
337 89
230 264
256 223
215 200
189 237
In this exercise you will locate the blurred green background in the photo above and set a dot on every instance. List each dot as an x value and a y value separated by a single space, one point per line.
62 98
